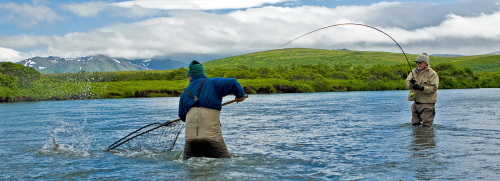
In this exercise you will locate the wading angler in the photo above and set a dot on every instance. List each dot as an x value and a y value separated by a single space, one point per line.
423 84
199 106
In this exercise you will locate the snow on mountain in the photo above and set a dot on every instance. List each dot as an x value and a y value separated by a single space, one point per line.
98 63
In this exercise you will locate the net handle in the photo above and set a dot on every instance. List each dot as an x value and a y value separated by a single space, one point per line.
224 104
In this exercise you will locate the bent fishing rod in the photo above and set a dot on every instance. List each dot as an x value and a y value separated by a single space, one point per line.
357 24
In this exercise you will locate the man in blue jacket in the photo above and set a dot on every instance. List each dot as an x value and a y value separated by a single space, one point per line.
199 108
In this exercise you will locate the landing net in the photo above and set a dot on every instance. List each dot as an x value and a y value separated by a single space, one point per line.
155 137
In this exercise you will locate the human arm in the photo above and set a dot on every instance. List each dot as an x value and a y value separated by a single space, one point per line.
432 86
182 112
226 86
410 80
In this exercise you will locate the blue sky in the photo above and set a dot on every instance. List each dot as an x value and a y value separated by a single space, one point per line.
219 28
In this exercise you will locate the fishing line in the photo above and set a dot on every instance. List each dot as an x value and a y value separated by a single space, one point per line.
326 27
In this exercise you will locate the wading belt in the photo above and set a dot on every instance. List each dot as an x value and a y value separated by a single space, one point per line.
196 98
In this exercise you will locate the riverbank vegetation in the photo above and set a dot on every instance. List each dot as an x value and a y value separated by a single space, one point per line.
19 83
305 56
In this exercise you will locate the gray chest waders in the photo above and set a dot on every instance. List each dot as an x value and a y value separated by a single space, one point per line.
203 131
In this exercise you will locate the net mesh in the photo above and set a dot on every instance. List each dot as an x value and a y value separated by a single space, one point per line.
156 138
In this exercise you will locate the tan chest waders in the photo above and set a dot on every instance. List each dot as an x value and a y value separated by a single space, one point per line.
203 131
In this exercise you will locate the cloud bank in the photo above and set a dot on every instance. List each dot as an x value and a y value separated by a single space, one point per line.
6 54
197 4
467 28
86 9
28 15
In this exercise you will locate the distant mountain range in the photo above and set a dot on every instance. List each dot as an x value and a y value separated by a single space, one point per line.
454 55
494 53
98 63
446 55
159 63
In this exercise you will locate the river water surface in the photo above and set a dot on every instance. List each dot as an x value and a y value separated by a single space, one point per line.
313 136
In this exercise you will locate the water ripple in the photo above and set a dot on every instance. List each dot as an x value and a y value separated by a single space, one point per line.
314 136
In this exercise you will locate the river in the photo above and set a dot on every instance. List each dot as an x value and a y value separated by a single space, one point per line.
308 136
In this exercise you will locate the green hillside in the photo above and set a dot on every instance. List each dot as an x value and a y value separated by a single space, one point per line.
275 71
302 56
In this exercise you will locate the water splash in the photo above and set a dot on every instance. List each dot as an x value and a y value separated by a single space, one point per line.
69 140
74 86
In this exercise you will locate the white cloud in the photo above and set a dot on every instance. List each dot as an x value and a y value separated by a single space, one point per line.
259 29
459 35
93 9
135 12
86 9
411 15
197 4
28 15
484 26
24 41
9 55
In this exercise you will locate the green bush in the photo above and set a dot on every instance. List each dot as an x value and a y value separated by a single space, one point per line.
25 75
280 79
7 81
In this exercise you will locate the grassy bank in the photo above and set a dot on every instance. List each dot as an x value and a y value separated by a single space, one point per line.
295 79
286 71
302 56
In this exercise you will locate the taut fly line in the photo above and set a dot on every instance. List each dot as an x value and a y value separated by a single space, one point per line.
356 24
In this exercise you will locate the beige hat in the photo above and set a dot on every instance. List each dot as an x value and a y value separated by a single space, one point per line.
423 58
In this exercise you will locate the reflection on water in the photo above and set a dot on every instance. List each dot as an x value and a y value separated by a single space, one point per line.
423 141
423 152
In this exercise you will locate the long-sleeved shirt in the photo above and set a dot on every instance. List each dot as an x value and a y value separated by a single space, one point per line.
214 89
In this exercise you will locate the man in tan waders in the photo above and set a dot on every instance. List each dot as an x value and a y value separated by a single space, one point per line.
423 83
199 107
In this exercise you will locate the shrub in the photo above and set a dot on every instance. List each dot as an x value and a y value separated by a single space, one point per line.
25 75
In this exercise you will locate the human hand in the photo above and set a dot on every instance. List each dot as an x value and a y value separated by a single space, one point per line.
241 99
418 87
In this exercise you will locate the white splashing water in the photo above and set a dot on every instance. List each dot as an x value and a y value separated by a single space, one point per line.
69 139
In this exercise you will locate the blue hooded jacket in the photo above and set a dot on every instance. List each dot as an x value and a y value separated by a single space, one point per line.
214 89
